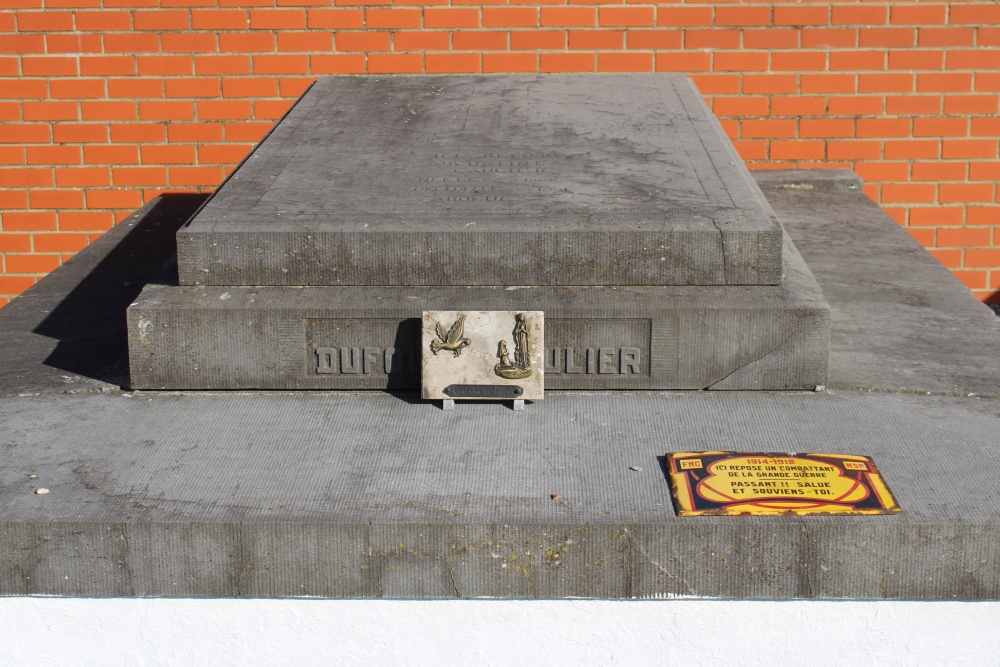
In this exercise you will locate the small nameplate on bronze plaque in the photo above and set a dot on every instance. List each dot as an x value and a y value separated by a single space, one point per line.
740 483
483 391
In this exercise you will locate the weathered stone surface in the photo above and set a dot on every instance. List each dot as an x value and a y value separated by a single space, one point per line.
745 337
460 180
482 355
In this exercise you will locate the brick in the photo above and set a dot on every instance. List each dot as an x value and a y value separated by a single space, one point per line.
828 83
24 133
10 111
912 149
305 41
277 19
206 65
913 104
166 110
961 193
188 87
46 21
829 38
908 192
963 237
164 66
9 66
363 41
336 19
984 171
12 155
224 109
103 21
772 38
510 17
944 82
626 17
78 43
856 105
931 37
770 83
768 128
974 59
977 13
139 176
60 242
283 64
710 84
896 82
46 66
337 64
857 60
24 177
510 62
883 127
223 153
86 220
686 61
988 81
810 128
918 59
294 86
131 43
247 131
940 127
712 39
479 40
392 18
79 133
873 172
68 177
949 257
250 87
51 111
23 221
246 42
134 87
568 62
568 17
624 62
22 44
210 176
11 242
56 199
923 236
801 16
430 41
168 154
171 19
751 150
740 106
917 14
535 40
983 215
108 110
221 19
127 199
798 150
859 15
113 154
189 43
894 37
796 106
134 133
741 61
936 217
14 285
982 257
649 39
107 65
395 63
970 105
7 22
194 132
742 16
440 17
684 16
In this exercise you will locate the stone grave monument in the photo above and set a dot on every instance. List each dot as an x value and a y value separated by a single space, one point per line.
613 204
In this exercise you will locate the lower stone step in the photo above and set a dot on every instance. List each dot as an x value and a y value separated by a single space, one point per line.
599 338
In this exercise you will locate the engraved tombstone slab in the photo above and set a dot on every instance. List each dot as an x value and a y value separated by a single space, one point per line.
483 355
624 179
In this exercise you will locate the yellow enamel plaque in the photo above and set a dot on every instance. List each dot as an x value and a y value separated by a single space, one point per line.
734 483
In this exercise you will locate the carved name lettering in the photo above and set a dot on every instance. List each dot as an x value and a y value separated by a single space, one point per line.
620 360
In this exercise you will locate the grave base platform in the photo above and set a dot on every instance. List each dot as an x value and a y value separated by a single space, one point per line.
678 337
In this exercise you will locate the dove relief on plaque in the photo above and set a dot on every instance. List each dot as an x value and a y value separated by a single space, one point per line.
483 355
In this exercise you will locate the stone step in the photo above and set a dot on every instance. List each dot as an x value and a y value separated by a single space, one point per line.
624 179
747 337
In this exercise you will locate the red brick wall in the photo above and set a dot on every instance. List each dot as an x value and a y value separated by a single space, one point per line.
106 103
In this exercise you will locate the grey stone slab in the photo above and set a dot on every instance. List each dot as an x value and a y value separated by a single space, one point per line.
900 320
368 495
743 337
620 179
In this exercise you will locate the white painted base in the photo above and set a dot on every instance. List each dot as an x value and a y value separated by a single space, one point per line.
47 631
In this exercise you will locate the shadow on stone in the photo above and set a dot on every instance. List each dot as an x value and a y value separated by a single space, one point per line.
89 323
